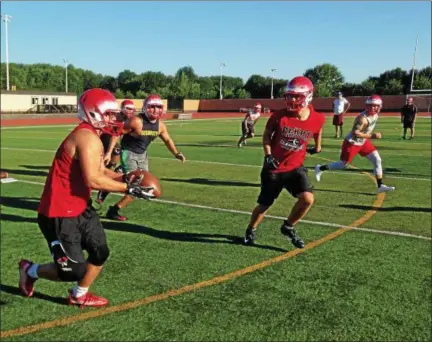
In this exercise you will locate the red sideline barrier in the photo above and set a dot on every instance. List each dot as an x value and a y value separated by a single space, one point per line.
200 115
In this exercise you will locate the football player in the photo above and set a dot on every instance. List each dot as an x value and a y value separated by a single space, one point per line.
248 124
358 141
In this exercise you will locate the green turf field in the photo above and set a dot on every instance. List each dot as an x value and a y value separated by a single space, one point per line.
361 285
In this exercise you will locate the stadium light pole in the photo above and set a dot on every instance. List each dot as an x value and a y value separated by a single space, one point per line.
7 19
271 94
66 75
222 65
414 65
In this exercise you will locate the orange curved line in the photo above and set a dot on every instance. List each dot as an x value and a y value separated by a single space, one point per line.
189 288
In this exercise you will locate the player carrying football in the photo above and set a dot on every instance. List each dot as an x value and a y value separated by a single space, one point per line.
66 217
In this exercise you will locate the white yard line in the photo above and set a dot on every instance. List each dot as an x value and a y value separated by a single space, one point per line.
229 164
317 223
180 122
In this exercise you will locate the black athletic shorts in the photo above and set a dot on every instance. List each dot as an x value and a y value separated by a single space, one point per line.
408 124
295 182
74 234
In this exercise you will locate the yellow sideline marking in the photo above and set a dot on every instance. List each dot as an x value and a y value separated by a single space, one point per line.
189 288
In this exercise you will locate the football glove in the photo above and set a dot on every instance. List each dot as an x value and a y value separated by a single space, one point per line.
270 162
141 192
312 150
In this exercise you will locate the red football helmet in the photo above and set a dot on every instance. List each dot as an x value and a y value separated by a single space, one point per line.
99 108
128 108
373 104
153 107
298 93
258 107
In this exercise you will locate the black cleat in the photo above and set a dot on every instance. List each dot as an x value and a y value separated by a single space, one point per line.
291 234
101 196
249 238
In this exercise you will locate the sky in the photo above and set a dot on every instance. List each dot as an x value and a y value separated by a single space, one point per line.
362 38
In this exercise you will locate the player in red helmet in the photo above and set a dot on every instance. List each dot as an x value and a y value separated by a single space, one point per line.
408 117
111 145
248 124
285 139
139 132
358 141
66 217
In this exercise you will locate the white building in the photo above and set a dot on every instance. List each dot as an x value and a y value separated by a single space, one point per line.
21 101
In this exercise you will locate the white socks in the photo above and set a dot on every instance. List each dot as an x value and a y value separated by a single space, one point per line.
79 291
32 271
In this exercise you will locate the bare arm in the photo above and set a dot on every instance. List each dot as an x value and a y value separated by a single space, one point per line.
360 124
317 138
113 175
113 142
89 149
133 126
267 141
348 107
169 143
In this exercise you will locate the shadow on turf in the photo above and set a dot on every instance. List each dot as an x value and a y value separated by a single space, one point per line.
32 204
344 192
365 207
207 181
391 171
16 292
20 202
37 167
36 172
184 236
222 144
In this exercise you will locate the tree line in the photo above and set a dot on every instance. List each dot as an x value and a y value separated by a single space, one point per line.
186 84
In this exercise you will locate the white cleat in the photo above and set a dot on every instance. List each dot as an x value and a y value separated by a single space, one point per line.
385 188
318 172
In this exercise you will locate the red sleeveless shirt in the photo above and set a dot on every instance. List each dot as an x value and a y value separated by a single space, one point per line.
65 193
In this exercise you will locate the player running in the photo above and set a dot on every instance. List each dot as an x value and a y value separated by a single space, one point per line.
248 124
285 139
358 141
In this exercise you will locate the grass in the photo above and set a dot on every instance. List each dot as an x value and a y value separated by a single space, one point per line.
359 286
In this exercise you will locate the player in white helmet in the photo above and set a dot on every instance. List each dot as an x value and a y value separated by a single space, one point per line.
248 124
358 141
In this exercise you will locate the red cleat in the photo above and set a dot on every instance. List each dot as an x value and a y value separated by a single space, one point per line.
89 299
26 283
114 215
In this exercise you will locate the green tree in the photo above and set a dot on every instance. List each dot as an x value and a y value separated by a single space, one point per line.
119 94
256 85
326 78
422 82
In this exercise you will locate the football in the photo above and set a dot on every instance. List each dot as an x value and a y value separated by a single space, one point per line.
4 174
148 180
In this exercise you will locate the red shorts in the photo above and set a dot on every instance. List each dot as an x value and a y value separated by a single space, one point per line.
349 151
338 120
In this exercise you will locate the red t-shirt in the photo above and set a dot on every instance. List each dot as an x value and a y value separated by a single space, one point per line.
291 137
65 193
